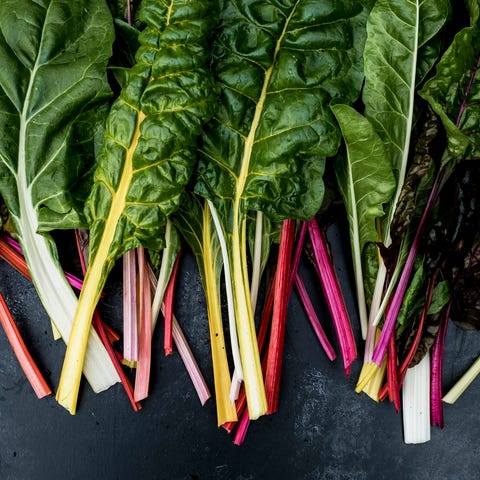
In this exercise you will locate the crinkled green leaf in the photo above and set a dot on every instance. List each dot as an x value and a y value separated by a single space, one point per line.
454 91
150 142
273 128
53 71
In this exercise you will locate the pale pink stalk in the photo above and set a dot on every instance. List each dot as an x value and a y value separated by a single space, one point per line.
130 320
142 377
185 352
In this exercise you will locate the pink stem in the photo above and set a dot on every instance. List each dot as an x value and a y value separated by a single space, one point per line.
314 321
333 296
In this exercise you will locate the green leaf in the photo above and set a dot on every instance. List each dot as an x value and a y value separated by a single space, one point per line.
441 296
148 153
53 78
413 299
366 182
454 91
396 32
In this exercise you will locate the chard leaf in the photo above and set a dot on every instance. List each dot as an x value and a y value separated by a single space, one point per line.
366 182
441 296
148 153
396 33
413 299
53 76
454 91
279 66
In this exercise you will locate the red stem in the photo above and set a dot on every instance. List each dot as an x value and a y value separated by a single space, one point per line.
280 302
392 374
104 337
168 302
29 367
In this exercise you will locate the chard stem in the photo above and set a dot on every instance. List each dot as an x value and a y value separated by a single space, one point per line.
333 296
280 303
29 367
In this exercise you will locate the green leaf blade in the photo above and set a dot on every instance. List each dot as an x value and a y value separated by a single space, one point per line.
366 181
454 90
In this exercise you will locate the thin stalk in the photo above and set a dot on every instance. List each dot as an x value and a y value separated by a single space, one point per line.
333 296
257 261
185 351
189 361
242 428
280 303
142 377
438 349
169 255
130 319
392 374
29 367
168 307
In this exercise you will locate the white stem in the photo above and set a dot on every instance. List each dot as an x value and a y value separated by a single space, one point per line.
228 286
257 261
164 275
416 403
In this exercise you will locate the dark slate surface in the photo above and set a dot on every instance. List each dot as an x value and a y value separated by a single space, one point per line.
322 431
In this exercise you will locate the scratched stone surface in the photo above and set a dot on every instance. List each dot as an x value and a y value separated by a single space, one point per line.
323 430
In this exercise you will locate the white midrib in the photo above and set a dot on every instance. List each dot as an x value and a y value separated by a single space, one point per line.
362 306
408 132
53 289
377 307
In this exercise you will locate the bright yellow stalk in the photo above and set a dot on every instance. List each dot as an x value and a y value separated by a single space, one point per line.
226 411
95 278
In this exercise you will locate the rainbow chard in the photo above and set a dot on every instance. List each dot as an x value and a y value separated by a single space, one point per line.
266 146
52 86
147 155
